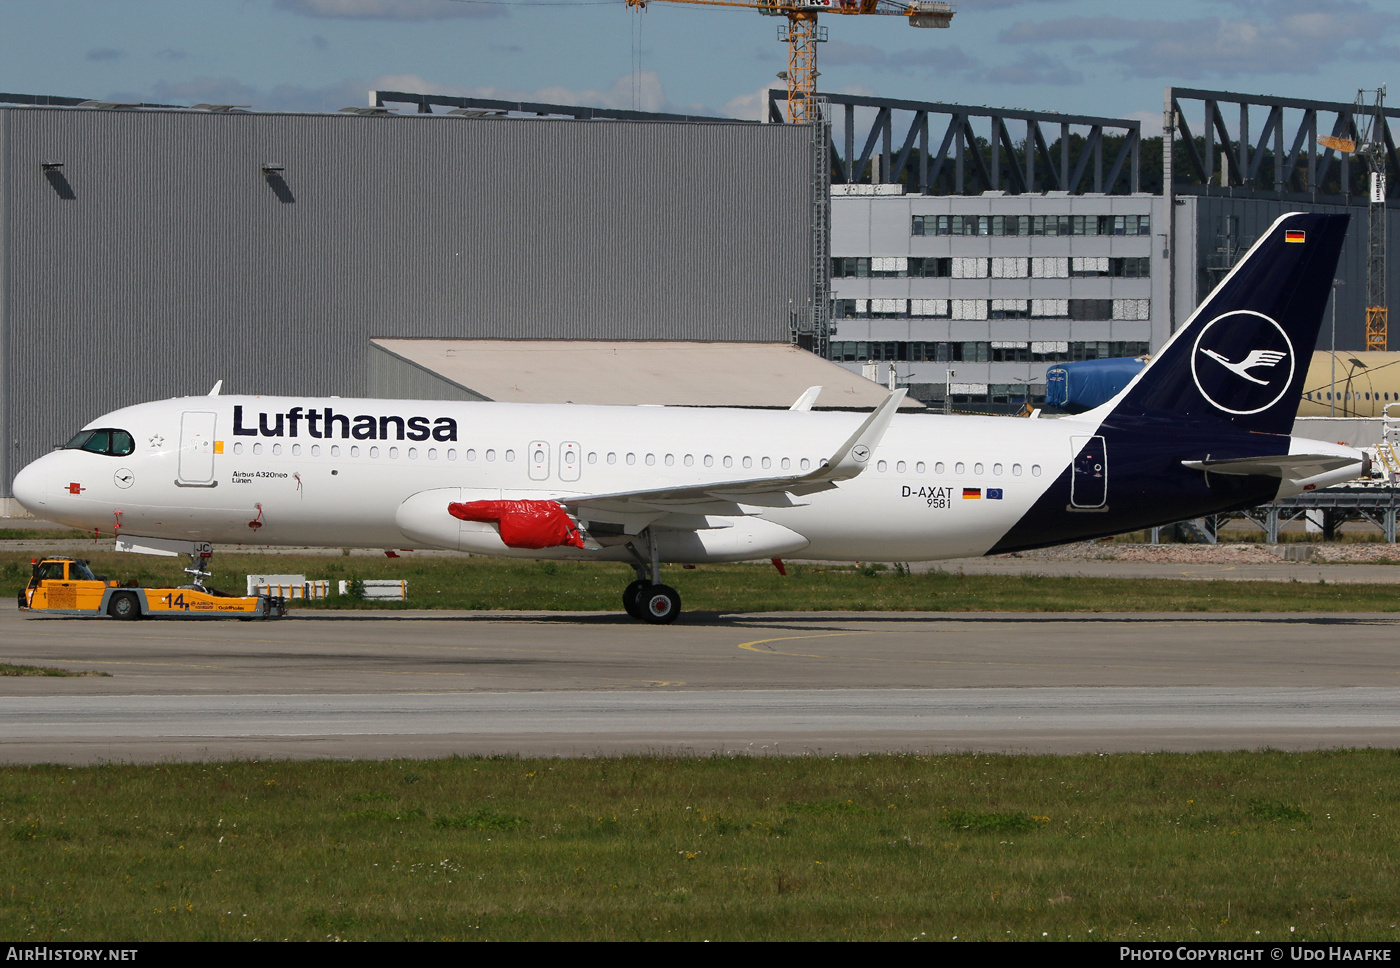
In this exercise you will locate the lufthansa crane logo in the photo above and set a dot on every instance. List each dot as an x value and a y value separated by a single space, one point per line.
1242 362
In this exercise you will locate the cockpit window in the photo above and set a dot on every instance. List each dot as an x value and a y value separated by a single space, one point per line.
117 443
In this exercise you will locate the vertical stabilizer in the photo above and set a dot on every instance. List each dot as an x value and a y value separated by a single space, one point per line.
1242 356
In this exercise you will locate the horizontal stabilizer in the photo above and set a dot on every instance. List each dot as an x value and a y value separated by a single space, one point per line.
809 397
1288 467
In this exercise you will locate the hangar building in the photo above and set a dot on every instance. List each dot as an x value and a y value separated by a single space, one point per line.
148 252
973 247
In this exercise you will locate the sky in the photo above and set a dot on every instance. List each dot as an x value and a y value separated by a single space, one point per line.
1112 59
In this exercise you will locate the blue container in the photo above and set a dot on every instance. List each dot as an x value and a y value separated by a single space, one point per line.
1076 387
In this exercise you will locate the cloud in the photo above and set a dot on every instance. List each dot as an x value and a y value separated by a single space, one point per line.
639 91
840 54
980 5
1151 122
1034 67
228 90
1078 28
1276 38
752 106
319 42
295 97
210 90
170 55
391 9
643 92
105 54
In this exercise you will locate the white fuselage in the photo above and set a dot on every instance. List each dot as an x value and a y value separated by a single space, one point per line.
382 473
339 490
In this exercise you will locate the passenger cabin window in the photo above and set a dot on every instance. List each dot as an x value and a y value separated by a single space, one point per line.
114 443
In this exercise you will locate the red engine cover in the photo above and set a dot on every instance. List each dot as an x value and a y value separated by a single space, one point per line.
523 524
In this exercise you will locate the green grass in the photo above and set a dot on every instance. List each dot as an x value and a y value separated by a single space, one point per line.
11 669
493 583
42 534
1209 846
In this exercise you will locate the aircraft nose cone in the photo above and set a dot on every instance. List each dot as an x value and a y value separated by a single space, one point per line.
30 488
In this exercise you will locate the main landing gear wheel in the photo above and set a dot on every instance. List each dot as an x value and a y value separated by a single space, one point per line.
631 598
661 604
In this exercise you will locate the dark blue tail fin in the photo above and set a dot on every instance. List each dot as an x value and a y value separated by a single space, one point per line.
1243 355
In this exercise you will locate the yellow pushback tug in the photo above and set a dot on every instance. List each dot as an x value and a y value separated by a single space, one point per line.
67 586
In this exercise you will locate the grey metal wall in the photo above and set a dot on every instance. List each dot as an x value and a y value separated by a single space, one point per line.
396 378
163 259
1254 216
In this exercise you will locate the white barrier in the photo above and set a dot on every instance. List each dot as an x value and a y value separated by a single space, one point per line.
389 590
288 586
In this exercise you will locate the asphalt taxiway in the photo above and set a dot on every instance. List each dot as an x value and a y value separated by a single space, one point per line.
438 683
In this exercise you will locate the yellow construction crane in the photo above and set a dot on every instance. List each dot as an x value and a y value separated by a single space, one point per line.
1368 123
802 34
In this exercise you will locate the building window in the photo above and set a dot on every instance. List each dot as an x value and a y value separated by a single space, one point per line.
1051 225
1131 309
1125 268
1049 351
1090 266
937 308
1091 309
1011 309
1049 308
931 268
969 308
1006 351
889 308
970 268
983 351
1080 309
1010 268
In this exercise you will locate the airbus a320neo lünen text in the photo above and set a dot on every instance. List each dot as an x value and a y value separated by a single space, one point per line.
1203 429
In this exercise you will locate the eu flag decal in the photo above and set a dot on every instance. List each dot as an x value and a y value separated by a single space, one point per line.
993 494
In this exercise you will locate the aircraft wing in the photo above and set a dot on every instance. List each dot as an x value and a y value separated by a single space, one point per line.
729 497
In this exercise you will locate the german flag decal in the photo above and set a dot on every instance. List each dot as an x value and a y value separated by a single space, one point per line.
972 493
1295 235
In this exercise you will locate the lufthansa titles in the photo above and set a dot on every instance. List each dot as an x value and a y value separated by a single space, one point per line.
324 422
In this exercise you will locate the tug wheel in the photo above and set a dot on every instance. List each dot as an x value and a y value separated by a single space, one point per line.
124 606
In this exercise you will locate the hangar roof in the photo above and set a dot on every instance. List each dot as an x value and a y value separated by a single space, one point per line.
668 372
